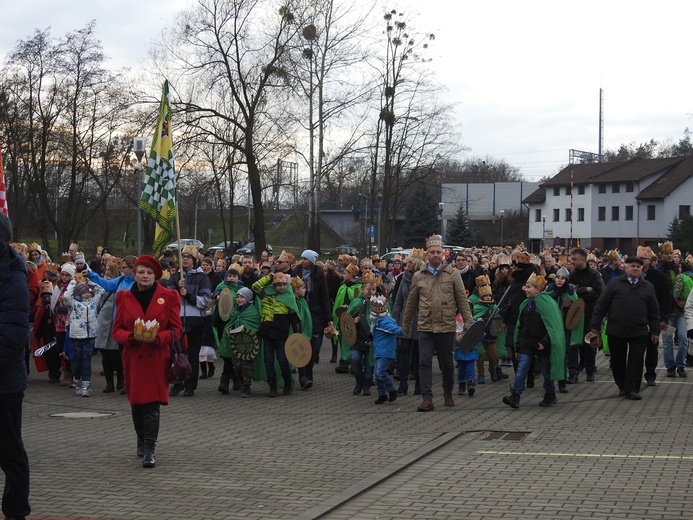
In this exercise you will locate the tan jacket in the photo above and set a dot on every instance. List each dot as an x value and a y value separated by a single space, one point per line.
437 298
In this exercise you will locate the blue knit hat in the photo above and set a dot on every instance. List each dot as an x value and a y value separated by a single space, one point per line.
311 255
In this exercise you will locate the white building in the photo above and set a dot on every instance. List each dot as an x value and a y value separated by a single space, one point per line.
612 205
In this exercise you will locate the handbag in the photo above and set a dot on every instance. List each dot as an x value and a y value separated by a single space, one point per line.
180 366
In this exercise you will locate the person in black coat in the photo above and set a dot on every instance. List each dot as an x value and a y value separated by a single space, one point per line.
613 268
631 305
318 299
14 335
588 286
659 280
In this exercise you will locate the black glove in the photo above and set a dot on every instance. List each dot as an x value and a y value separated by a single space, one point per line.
62 310
690 333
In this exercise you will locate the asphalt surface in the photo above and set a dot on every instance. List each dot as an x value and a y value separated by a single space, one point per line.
324 453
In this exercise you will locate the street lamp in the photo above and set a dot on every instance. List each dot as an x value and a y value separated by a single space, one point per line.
379 198
310 34
543 231
138 146
502 216
441 206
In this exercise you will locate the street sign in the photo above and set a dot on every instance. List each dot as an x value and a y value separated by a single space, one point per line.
372 231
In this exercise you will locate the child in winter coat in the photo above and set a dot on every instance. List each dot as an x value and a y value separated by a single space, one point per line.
385 331
82 301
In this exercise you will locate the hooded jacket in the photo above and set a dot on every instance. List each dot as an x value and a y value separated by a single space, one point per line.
194 304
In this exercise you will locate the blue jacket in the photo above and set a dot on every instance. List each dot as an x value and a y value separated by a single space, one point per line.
14 321
385 332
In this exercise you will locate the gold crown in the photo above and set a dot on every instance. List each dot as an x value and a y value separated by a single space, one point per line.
297 283
520 257
114 260
235 268
613 255
287 257
419 253
537 281
53 269
591 256
482 280
434 241
368 277
485 293
351 269
65 257
666 247
46 288
218 255
190 250
146 330
34 247
19 248
278 278
378 305
366 261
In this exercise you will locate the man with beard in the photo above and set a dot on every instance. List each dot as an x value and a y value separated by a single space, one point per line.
674 363
588 286
522 269
659 280
250 275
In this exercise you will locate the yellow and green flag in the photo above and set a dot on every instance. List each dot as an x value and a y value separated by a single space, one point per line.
158 198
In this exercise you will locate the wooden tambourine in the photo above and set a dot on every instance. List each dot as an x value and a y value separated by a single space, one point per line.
575 314
348 328
298 350
225 303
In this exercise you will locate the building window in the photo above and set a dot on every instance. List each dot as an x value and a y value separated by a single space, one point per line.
602 188
581 189
581 214
602 213
537 215
615 188
629 186
614 212
651 212
556 215
568 214
556 191
567 190
684 211
629 212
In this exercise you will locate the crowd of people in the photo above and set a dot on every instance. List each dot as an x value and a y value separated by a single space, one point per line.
547 314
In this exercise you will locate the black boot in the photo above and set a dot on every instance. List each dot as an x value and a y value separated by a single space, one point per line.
500 375
224 384
138 421
151 433
210 369
273 388
512 400
203 370
562 388
548 400
342 367
287 386
107 372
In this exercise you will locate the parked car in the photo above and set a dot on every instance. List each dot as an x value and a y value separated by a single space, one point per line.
173 246
346 249
249 248
222 246
396 251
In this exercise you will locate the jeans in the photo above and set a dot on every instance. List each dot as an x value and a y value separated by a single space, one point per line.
627 358
276 347
315 344
678 321
363 373
382 378
442 343
81 364
465 371
408 356
524 365
13 459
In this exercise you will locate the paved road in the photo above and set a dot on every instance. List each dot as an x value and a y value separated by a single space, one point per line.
327 454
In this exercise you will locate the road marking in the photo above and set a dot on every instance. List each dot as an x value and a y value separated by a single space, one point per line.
589 455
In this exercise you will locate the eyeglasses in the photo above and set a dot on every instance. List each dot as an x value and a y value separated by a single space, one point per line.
561 277
187 256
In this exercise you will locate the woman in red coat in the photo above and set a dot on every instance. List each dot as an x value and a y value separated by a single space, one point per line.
146 364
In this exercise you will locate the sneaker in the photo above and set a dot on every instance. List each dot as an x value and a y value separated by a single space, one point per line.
471 391
175 390
189 392
651 382
682 372
381 399
462 388
671 373
245 390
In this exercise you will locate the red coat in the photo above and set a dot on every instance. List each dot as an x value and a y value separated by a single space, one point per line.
146 365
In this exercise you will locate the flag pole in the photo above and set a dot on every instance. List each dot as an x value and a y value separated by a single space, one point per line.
180 249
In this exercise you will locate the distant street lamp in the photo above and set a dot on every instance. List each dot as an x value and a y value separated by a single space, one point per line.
543 231
441 206
138 146
310 33
502 216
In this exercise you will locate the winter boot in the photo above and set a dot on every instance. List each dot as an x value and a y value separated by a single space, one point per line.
65 378
512 400
151 433
210 369
138 422
471 388
381 399
272 388
462 388
392 396
287 386
86 388
224 384
342 367
562 388
548 400
500 375
245 390
77 385
203 370
573 378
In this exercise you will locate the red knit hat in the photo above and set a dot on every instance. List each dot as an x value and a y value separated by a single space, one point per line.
152 263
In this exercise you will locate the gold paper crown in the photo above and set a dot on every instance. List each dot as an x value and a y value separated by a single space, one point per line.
146 330
53 269
235 268
342 259
537 281
297 283
418 253
590 256
34 247
485 293
190 250
65 257
666 247
287 257
374 257
482 280
644 252
99 249
19 248
434 241
382 264
613 255
366 261
351 269
368 277
46 288
278 278
378 305
218 255
520 257
74 246
114 260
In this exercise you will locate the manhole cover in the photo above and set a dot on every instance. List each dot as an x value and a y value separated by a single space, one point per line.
81 415
503 436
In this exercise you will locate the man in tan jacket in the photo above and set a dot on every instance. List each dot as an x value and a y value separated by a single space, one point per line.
437 291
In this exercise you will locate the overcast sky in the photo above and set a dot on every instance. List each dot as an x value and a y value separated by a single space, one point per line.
526 75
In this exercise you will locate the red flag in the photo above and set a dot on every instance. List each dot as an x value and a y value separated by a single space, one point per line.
3 190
